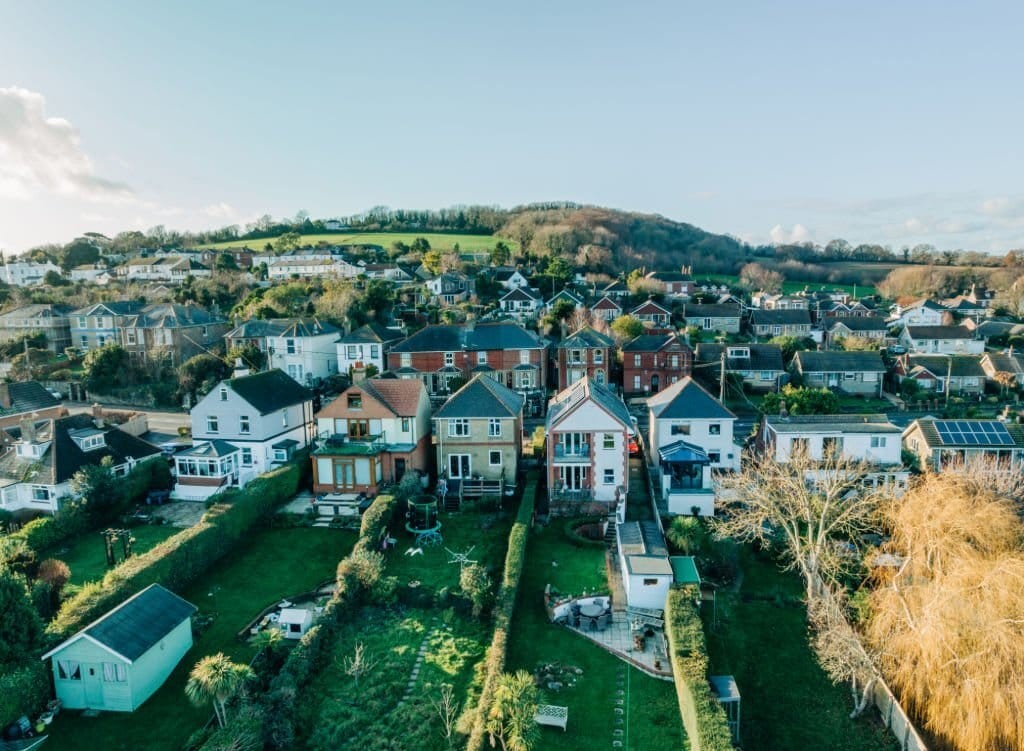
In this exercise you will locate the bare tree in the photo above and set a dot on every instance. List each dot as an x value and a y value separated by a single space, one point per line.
810 510
947 620
358 664
447 708
754 276
840 651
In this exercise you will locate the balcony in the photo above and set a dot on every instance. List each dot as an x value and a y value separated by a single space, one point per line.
344 445
578 454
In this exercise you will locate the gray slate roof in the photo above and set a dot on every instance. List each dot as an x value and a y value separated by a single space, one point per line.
482 397
839 362
583 389
484 336
687 399
28 396
780 317
586 337
856 323
711 311
762 357
294 327
647 343
940 332
958 366
270 390
868 423
371 333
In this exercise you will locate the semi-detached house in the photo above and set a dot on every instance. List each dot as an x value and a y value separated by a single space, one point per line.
304 348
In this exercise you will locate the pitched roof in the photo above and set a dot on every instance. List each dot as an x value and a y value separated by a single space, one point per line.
400 395
1006 363
939 332
482 397
669 276
567 294
521 293
484 336
586 337
137 624
687 398
291 327
647 343
114 307
867 423
372 333
606 303
761 317
762 356
924 302
28 396
650 304
839 362
585 388
711 311
957 366
214 448
969 433
270 390
37 310
167 315
855 324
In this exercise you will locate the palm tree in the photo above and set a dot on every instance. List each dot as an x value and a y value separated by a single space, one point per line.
510 721
215 679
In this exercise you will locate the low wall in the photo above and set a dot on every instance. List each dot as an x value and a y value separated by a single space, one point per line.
896 719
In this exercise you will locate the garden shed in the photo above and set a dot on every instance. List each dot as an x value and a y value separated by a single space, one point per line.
295 622
119 660
644 563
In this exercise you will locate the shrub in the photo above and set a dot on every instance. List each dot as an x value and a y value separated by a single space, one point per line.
376 520
23 690
703 716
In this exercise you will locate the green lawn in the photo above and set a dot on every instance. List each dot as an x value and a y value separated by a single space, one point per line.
274 563
651 721
791 286
86 555
438 241
787 700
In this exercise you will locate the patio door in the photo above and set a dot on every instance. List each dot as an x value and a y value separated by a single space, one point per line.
399 469
344 473
459 466
573 443
574 478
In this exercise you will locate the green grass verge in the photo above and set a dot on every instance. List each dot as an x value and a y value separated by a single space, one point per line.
271 564
651 720
438 241
787 700
86 555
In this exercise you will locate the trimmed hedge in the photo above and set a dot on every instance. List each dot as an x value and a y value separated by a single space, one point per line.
703 716
179 560
504 607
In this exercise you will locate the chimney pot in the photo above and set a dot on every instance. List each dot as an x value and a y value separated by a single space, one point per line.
5 395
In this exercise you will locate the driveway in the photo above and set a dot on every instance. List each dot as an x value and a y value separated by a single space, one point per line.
159 421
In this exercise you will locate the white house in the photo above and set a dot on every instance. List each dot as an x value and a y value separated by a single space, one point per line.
510 278
304 348
691 434
90 272
295 622
948 340
367 345
162 269
521 301
923 312
646 569
285 268
938 443
27 274
118 661
266 417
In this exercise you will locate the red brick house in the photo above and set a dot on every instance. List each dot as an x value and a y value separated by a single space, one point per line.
585 353
653 361
606 308
651 312
674 283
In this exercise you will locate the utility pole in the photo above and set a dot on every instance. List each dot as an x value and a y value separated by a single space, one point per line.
721 377
949 376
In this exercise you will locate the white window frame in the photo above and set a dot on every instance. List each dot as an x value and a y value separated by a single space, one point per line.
458 427
608 478
598 357
449 359
481 357
246 457
244 425
490 458
608 441
524 357
212 424
494 428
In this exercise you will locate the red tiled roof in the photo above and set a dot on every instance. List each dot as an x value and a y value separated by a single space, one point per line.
401 395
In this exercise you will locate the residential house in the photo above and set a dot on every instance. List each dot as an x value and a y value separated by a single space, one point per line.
674 283
28 273
617 290
957 374
585 353
588 429
118 661
651 362
40 456
691 434
948 340
606 308
848 327
90 272
451 288
510 278
310 268
95 325
521 302
759 366
52 320
373 433
27 399
368 345
504 350
252 423
304 348
183 331
651 312
724 318
172 269
771 301
850 372
921 312
478 433
1010 363
966 307
782 322
566 295
938 443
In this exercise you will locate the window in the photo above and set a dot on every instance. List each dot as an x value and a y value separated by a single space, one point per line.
115 672
524 357
211 424
129 336
650 582
739 352
636 383
636 361
599 377
355 400
598 357
69 670
674 361
831 445
714 429
83 340
608 441
243 424
284 419
878 441
289 346
849 376
764 375
458 428
246 457
82 322
405 359
494 428
680 428
40 493
351 351
609 477
405 424
223 394
374 350
280 455
798 446
576 356
108 322
481 358
715 457
449 358
776 330
494 458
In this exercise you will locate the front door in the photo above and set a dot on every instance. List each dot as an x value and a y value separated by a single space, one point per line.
93 686
459 466
399 469
344 474
655 384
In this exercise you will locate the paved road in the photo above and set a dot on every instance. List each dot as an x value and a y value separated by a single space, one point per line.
159 422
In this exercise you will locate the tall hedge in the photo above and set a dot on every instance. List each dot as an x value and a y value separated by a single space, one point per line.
504 608
702 713
181 559
23 690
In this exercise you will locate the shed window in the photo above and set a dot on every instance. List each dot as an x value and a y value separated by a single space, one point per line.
650 582
69 670
115 672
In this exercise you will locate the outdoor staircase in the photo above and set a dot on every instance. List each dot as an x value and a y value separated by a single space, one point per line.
451 502
609 532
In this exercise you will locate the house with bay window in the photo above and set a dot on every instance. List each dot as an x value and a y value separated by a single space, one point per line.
372 434
304 348
245 426
585 353
368 345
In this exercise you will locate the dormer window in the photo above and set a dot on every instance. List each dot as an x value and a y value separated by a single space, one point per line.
741 352
449 359
355 401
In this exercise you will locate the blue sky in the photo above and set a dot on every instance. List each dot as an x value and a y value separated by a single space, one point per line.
882 122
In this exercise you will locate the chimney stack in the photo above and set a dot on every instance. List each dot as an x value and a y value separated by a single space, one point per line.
240 369
5 395
783 412
470 323
28 430
97 415
358 373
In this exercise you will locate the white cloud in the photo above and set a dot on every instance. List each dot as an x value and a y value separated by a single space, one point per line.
40 154
799 234
1003 206
219 210
88 216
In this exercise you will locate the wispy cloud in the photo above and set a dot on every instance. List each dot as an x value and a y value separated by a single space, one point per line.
40 154
219 210
798 234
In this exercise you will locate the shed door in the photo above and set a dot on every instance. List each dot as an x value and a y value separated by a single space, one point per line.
93 677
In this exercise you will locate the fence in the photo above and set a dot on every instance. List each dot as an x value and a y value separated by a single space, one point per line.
896 719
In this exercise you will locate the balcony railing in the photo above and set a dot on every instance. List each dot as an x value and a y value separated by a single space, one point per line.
345 444
577 453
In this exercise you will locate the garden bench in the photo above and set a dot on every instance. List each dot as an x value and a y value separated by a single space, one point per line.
549 714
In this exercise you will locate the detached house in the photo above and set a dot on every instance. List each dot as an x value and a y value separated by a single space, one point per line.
566 295
245 426
367 345
782 322
373 433
586 353
724 318
451 288
759 366
849 372
304 348
95 325
173 269
923 312
938 443
51 320
837 329
652 362
949 340
1011 363
27 399
588 431
478 434
40 456
521 301
606 308
617 290
674 283
960 374
651 312
183 331
510 278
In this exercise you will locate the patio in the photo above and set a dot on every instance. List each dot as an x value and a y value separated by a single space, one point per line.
618 638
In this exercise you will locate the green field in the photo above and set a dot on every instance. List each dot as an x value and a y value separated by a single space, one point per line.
790 287
438 241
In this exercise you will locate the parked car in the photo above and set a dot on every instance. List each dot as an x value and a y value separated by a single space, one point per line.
897 349
56 394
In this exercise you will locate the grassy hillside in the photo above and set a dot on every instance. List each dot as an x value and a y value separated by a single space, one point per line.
792 286
438 241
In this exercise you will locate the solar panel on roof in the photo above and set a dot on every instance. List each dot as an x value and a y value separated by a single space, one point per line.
973 433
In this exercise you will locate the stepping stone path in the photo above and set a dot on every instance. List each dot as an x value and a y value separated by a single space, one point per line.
415 674
617 709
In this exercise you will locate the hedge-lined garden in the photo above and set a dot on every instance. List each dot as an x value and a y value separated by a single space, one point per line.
703 716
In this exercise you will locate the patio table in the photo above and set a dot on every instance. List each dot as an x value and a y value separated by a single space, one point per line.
592 610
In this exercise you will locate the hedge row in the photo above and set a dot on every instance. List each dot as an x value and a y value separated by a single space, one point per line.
504 608
23 690
703 716
181 559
